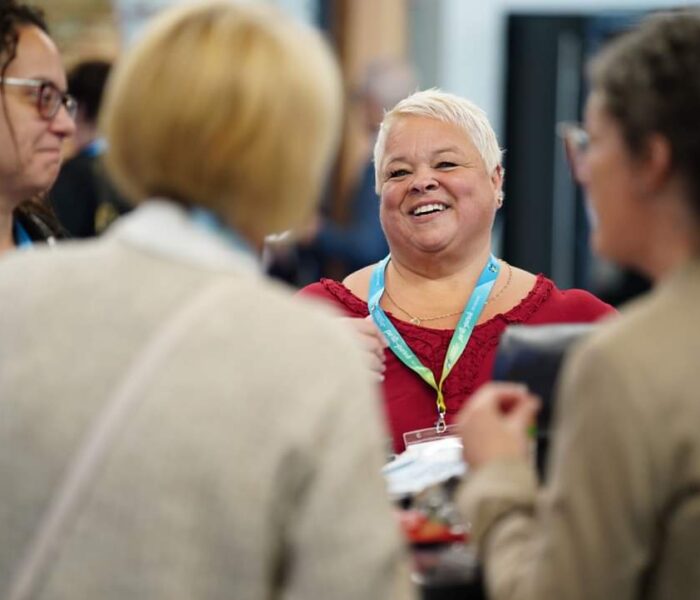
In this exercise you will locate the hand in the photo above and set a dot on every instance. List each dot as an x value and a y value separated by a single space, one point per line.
495 423
372 340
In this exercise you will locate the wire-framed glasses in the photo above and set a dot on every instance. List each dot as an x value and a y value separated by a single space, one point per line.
576 141
49 98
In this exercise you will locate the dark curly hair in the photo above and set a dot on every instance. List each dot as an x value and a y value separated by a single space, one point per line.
14 16
649 80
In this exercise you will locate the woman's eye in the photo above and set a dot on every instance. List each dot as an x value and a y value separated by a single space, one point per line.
397 173
446 164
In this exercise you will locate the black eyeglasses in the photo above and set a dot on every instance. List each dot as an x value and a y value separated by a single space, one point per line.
49 98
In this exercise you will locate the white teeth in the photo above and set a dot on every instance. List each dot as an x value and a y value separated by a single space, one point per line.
428 208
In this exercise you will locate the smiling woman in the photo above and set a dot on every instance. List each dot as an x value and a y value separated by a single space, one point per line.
441 297
35 118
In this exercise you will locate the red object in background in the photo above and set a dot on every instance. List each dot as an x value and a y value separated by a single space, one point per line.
420 529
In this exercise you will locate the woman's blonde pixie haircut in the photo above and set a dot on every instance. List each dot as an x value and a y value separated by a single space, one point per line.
448 108
233 107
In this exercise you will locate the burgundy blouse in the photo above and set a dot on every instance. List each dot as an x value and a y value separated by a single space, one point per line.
408 400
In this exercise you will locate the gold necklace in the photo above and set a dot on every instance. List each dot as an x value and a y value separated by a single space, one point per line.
418 320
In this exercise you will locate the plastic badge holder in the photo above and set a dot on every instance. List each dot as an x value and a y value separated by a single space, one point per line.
430 458
420 436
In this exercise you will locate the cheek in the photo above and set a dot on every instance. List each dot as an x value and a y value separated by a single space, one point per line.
480 189
390 218
386 215
614 224
25 144
390 197
390 204
7 144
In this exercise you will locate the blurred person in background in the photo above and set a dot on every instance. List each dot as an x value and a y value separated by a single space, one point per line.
174 425
620 514
37 117
360 241
440 298
84 199
335 246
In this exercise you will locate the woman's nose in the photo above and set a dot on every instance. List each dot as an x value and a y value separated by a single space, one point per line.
424 181
63 124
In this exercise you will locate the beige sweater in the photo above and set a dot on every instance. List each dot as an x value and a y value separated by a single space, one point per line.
620 516
250 467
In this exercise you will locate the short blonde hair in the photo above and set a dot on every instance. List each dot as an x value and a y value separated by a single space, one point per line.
229 106
448 108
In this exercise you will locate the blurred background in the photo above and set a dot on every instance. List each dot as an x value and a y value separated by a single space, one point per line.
522 61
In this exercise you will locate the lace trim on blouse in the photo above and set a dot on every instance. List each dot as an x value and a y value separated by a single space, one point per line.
430 345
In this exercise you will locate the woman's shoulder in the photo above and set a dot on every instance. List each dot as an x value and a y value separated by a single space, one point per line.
358 282
569 305
336 293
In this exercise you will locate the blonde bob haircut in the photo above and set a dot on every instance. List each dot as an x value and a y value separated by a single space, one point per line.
448 108
229 106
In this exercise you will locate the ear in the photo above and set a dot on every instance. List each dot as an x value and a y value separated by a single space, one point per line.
656 164
497 184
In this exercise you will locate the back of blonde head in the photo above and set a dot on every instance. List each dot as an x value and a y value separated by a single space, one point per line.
448 108
229 106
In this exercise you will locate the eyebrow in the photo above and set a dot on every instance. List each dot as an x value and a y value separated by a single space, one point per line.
49 79
439 151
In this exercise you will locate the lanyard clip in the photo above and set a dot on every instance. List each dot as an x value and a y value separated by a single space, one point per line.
441 425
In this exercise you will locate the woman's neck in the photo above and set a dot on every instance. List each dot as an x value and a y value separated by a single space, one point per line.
430 291
672 239
666 257
441 268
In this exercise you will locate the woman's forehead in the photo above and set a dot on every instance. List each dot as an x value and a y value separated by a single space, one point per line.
417 132
37 57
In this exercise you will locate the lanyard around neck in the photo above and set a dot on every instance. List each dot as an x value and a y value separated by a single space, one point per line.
470 315
205 219
22 239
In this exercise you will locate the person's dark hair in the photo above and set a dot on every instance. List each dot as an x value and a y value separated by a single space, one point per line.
86 82
649 82
13 16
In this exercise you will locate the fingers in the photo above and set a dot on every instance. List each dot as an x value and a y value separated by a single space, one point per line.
372 341
377 365
495 423
370 329
524 414
502 398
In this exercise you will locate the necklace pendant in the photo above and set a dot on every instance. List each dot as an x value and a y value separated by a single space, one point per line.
415 321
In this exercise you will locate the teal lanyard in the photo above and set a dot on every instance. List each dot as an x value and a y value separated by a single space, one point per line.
205 219
460 338
22 239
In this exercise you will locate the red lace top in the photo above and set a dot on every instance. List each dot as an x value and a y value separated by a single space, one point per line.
409 401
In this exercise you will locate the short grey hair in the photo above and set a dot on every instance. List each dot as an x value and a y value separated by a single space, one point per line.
448 108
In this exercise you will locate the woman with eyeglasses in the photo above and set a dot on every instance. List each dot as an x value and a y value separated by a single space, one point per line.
36 116
619 516
174 425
